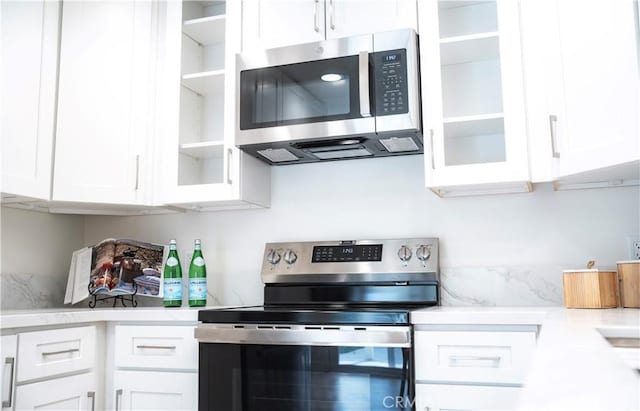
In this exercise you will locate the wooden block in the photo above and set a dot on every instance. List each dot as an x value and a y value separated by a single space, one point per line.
590 288
629 275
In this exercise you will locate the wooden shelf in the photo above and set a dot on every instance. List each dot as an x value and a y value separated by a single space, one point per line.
465 49
206 30
205 83
203 150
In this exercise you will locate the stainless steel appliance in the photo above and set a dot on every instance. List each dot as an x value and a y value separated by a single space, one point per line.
333 333
336 99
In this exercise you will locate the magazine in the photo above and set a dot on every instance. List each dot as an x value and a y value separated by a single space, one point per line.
116 267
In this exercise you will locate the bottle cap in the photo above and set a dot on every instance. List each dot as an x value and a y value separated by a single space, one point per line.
197 241
172 241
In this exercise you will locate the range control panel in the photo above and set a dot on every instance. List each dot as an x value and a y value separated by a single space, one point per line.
390 74
375 260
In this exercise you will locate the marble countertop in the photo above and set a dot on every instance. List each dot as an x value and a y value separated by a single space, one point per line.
573 368
48 317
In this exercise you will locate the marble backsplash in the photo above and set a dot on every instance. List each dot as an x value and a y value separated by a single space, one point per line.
460 286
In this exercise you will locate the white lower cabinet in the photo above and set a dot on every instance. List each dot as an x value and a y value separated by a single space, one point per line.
8 354
155 390
448 397
471 367
77 392
156 368
54 370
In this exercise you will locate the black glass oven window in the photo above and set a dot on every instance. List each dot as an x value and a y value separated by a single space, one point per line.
235 377
299 93
346 253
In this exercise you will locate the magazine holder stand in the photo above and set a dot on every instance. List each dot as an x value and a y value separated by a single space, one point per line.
97 297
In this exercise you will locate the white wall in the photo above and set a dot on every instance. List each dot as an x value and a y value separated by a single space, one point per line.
35 253
495 250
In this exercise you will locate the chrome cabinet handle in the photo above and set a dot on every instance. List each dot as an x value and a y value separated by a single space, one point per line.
363 74
460 358
44 354
9 403
229 160
137 172
433 160
92 395
553 125
118 399
636 21
332 21
156 347
316 27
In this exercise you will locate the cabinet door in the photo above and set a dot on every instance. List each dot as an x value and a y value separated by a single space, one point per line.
275 23
472 97
142 390
70 393
354 17
8 351
199 166
596 89
104 102
446 397
28 85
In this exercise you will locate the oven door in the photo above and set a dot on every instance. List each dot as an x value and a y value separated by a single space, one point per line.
304 368
308 91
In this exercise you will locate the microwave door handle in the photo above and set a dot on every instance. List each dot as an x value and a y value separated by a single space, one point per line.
363 75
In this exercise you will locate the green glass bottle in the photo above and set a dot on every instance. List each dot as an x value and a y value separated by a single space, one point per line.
172 283
197 278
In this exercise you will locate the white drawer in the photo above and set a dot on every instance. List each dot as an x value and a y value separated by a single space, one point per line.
444 397
53 352
473 356
156 347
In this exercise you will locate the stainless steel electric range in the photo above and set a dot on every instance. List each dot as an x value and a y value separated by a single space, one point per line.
333 333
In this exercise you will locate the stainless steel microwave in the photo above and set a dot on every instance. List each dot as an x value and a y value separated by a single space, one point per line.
348 98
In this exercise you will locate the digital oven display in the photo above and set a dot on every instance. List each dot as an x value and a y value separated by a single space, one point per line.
346 253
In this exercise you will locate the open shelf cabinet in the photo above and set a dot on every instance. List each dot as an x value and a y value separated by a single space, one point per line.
472 93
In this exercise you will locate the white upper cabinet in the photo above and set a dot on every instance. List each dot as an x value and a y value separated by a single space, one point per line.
473 97
198 166
583 91
276 23
28 85
346 18
105 101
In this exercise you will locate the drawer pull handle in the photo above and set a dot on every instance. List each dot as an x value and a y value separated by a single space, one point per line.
118 399
12 362
459 360
156 347
92 395
44 354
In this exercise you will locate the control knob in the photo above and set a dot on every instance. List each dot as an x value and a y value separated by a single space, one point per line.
404 253
290 256
423 252
273 256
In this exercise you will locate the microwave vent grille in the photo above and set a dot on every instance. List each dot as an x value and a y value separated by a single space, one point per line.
278 155
399 144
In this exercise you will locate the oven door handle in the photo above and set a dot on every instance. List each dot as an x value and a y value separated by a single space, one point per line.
376 336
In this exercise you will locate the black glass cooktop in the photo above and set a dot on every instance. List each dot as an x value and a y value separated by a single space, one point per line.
307 315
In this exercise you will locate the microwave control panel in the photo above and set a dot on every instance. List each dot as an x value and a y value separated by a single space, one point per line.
390 74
